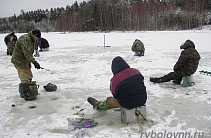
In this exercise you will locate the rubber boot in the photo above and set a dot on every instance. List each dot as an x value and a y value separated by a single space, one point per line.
28 95
159 80
98 104
92 101
21 90
178 81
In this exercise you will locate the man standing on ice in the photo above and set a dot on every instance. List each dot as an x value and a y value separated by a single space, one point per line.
186 65
22 58
10 41
127 87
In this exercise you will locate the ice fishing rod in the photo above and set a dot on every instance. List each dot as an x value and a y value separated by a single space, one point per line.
45 69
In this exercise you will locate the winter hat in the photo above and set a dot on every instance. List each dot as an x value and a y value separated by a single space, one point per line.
188 43
36 33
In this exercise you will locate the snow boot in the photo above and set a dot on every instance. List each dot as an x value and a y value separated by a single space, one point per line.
29 91
21 90
98 104
177 81
92 101
33 88
37 53
158 80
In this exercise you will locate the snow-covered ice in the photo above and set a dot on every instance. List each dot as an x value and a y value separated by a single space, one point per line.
81 69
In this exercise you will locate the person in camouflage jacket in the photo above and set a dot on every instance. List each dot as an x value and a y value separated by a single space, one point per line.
138 48
186 65
10 41
22 58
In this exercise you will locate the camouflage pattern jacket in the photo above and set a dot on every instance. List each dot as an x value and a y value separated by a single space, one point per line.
189 59
138 46
22 56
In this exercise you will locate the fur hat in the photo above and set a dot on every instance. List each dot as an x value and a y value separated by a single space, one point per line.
37 33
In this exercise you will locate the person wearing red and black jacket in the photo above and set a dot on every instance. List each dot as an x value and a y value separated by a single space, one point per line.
127 87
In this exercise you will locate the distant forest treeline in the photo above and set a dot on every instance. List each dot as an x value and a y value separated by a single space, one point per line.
113 15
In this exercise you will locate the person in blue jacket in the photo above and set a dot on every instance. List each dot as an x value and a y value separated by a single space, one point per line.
127 87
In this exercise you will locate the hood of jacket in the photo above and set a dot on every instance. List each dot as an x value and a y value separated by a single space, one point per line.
187 44
118 65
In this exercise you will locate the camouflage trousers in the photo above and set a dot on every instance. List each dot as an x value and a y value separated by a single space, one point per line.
25 75
177 75
109 103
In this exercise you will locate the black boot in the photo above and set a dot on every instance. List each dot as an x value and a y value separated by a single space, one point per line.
27 94
158 80
177 81
92 101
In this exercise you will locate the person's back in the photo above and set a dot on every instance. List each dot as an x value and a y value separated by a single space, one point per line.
138 48
44 43
131 91
188 60
23 51
186 65
127 88
44 46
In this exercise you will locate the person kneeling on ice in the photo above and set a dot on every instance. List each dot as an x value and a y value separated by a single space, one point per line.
186 65
22 58
127 87
138 48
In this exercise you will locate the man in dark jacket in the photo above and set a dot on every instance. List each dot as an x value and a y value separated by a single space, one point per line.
44 46
10 41
186 65
127 88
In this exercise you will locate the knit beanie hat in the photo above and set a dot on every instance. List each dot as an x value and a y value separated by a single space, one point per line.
36 33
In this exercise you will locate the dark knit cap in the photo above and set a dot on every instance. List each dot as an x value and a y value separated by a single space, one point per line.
37 33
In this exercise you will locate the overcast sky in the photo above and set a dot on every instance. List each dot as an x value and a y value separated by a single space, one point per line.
10 7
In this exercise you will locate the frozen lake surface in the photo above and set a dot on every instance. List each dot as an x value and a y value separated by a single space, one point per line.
81 69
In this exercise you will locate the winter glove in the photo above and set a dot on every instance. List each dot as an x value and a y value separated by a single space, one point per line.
36 65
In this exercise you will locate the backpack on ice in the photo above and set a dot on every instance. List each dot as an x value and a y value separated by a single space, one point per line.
50 87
